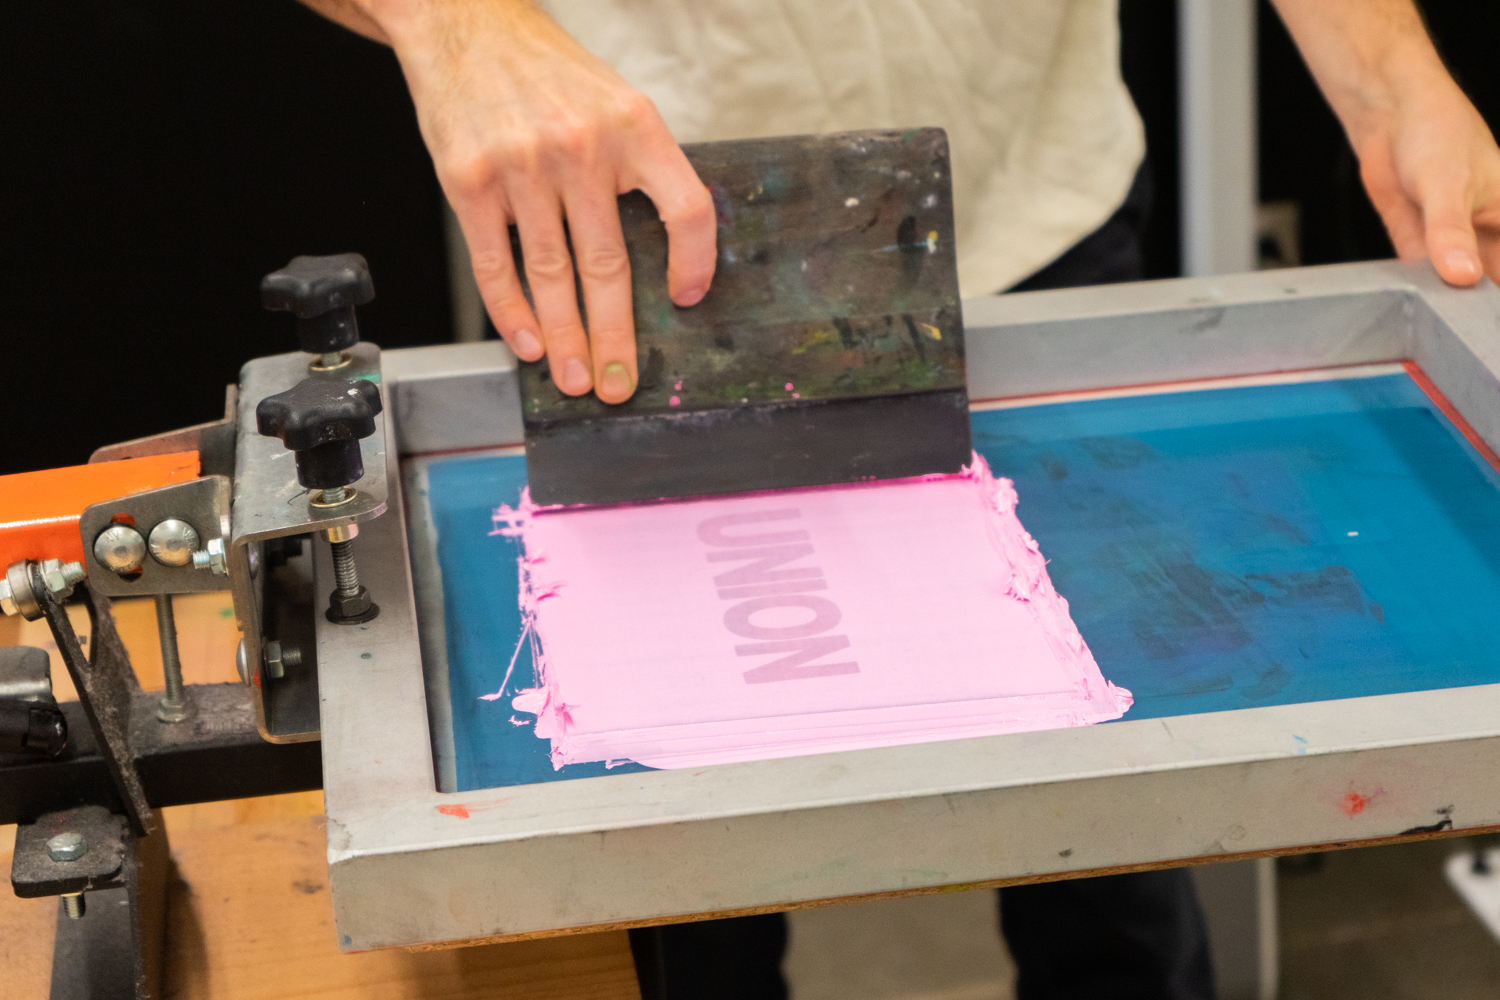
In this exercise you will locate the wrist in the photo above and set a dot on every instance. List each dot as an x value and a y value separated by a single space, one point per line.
413 22
1389 78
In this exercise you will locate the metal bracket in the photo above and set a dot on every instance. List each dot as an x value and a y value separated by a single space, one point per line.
269 503
107 687
202 503
115 948
35 873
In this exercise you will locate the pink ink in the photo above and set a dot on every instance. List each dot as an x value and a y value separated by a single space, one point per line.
678 386
789 387
1353 803
795 622
674 401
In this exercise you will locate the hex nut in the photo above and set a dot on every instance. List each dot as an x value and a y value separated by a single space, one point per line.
60 577
173 542
355 610
211 557
279 657
121 548
67 846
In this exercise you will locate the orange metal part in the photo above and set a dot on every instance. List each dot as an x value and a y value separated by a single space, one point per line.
39 511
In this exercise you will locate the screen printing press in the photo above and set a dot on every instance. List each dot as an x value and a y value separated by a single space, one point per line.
1270 500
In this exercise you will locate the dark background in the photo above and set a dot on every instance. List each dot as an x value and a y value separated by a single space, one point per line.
1304 156
160 156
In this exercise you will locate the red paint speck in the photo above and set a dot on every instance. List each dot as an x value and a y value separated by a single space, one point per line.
789 387
674 401
460 811
1354 804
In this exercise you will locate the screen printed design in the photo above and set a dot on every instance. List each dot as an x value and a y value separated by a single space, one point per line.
795 622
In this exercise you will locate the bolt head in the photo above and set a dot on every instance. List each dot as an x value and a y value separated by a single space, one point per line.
120 548
173 542
175 711
7 599
242 661
67 846
60 576
211 557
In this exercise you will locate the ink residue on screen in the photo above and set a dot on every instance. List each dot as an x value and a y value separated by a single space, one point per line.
792 622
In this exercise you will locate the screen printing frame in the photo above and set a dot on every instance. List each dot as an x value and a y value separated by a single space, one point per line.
412 866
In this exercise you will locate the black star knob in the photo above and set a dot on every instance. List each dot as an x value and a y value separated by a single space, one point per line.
323 420
322 293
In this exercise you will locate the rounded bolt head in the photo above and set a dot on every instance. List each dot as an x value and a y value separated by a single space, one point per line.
67 846
173 542
120 548
7 599
242 662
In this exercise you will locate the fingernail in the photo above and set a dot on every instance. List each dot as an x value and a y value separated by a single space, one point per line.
527 345
1463 262
692 296
617 383
577 375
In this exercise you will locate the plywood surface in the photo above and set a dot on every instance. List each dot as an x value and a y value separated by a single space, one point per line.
249 919
249 916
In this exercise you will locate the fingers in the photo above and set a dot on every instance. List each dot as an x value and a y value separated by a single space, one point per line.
604 272
1448 226
1489 254
488 234
1401 215
687 210
549 271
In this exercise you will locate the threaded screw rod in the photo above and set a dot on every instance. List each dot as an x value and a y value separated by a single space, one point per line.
345 573
73 905
174 706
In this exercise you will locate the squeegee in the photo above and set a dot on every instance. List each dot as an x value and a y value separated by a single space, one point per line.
830 348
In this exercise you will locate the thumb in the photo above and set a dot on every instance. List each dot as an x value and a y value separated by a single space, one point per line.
1449 228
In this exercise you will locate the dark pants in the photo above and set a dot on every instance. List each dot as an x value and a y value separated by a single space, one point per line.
1118 937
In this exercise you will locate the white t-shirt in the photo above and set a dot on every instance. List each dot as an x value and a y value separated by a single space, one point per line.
1044 137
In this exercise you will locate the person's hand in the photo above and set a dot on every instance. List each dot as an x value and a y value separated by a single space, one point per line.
1426 156
527 127
1432 170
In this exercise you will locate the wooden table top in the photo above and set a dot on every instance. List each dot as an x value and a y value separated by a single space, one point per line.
248 912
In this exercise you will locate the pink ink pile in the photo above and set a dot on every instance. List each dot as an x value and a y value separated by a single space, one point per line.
807 621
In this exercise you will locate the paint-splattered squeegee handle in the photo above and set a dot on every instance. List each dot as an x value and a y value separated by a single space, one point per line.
830 348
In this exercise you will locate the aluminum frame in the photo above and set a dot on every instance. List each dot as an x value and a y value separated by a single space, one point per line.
411 866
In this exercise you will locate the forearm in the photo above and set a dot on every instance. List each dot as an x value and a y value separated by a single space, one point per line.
1367 56
527 128
352 15
400 22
